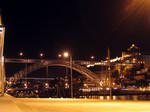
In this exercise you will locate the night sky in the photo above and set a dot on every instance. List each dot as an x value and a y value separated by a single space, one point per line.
84 27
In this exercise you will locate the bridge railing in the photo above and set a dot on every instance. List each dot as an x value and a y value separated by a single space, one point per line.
18 60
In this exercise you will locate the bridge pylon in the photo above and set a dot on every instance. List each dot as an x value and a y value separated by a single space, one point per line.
2 70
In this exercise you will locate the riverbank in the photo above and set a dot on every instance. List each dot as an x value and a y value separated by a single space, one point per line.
10 104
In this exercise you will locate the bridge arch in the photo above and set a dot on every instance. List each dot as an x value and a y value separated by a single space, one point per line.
81 69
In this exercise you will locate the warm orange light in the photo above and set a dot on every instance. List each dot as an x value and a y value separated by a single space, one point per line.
139 8
66 54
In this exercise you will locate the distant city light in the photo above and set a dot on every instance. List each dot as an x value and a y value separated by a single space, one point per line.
92 57
46 85
25 85
59 55
41 54
21 54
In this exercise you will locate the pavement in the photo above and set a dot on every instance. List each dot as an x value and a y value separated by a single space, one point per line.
11 104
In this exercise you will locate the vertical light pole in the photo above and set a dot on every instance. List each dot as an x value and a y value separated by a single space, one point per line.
66 54
71 76
46 74
46 81
59 55
26 83
110 86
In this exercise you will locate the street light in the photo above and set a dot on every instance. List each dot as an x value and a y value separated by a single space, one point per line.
41 55
46 83
21 55
110 85
66 54
92 57
59 55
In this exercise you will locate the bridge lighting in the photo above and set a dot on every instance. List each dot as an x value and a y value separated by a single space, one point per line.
36 91
66 85
25 85
9 82
113 84
85 85
46 85
88 66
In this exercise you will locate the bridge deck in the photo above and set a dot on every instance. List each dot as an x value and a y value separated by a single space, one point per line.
9 104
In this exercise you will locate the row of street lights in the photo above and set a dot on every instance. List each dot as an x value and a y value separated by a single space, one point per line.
65 55
69 55
21 54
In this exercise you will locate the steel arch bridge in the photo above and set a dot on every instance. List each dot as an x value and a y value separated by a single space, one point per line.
81 69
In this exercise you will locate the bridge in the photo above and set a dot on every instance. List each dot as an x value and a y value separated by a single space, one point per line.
35 64
78 66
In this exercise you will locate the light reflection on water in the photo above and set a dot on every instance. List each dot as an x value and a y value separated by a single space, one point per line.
125 97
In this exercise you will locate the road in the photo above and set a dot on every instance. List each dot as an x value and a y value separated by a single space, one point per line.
10 104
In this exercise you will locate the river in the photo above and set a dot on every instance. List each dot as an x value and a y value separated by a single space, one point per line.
120 97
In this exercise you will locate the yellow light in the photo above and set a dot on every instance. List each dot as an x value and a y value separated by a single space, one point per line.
139 7
66 54
46 84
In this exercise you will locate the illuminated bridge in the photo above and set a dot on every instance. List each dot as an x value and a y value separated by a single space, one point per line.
79 66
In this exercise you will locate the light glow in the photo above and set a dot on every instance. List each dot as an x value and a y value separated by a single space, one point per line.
66 54
139 8
41 54
59 55
21 53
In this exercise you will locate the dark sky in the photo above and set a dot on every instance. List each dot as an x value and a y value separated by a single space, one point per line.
85 27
